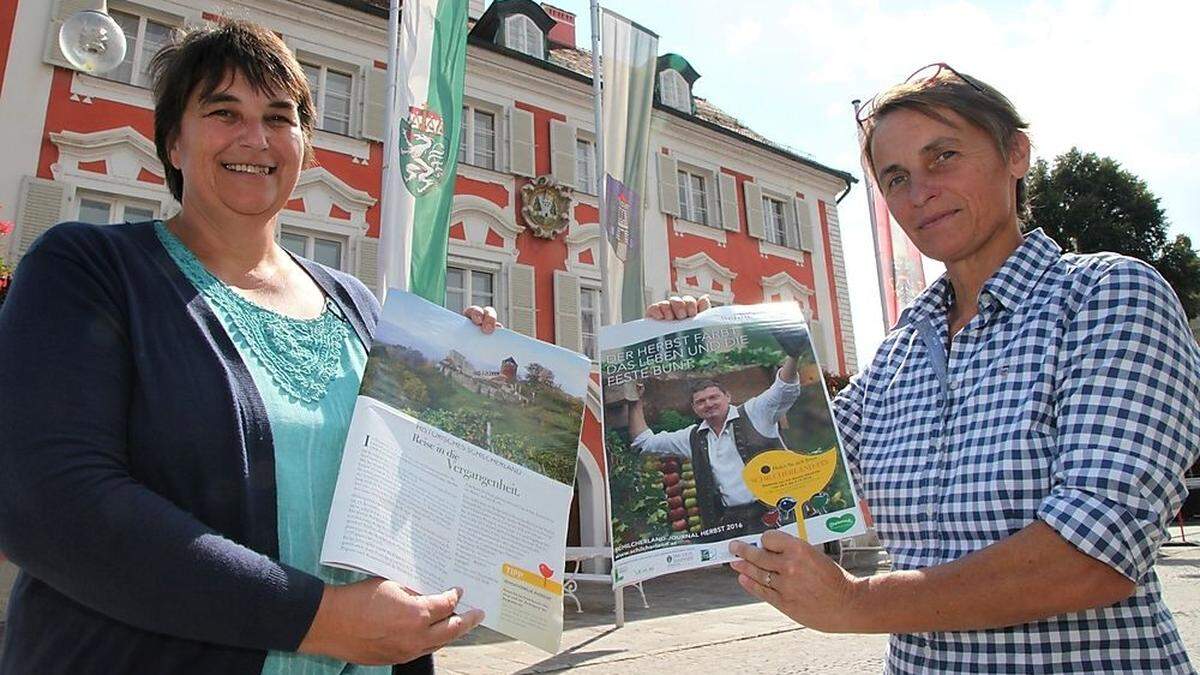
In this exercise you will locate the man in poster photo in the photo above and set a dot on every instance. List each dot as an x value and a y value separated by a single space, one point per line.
724 440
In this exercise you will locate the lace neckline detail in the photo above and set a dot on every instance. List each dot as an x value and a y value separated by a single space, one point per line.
301 355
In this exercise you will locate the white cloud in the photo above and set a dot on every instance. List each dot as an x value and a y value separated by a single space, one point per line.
743 37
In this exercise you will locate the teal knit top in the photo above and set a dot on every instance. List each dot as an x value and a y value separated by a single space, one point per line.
308 372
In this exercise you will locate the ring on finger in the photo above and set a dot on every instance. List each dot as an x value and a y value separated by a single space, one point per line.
767 581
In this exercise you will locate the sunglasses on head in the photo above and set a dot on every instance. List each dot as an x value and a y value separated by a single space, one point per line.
927 73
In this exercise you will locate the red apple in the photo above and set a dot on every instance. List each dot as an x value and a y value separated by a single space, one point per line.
674 490
694 511
678 513
674 502
679 525
670 479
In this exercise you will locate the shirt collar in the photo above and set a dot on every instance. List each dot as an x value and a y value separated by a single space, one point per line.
1009 286
732 415
1015 279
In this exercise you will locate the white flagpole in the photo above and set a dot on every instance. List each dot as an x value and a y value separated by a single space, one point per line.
390 144
602 178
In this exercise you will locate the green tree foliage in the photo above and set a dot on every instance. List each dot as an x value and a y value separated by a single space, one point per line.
1089 203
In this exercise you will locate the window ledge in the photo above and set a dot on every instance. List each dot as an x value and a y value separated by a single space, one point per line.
482 173
683 227
347 145
766 248
90 86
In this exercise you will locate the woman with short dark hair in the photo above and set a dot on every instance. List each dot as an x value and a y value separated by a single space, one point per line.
176 398
1021 434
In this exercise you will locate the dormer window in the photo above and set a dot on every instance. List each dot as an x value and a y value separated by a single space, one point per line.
674 91
523 35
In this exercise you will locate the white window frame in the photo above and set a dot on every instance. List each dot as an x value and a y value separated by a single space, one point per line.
468 133
499 281
674 91
527 31
140 57
591 187
117 204
775 236
311 235
323 66
587 286
687 195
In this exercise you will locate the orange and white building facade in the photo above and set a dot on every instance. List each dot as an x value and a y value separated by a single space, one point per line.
727 213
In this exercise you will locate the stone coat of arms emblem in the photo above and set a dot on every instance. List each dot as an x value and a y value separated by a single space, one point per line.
422 150
546 206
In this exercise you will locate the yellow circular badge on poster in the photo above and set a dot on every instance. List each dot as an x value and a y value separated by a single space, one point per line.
775 474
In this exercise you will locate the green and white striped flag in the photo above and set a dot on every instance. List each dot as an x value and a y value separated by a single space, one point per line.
630 56
422 147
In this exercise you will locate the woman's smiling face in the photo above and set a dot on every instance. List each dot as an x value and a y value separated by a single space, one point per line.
240 151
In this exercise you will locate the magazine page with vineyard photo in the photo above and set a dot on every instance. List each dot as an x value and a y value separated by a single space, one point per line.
459 465
718 428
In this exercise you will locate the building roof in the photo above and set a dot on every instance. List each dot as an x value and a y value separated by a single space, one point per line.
577 63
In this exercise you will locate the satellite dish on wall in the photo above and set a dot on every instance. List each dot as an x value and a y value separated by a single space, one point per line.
92 42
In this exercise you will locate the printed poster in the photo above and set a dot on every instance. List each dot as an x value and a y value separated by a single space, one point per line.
459 465
718 428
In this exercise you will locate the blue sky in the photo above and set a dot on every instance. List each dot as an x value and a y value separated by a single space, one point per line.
1113 78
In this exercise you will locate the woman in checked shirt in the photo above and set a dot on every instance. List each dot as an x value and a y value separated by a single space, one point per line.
1021 434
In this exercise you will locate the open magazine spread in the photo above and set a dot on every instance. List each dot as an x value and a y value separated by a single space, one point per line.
459 465
718 428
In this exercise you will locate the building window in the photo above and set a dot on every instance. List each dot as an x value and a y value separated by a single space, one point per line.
523 35
774 221
589 320
143 38
320 248
466 287
477 144
673 91
331 90
105 209
693 198
585 166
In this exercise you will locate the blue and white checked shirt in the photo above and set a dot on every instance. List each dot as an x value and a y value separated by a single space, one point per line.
1072 398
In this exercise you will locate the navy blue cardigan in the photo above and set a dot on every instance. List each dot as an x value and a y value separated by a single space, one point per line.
137 476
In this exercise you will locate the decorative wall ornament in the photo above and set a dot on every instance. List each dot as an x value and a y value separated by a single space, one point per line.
546 206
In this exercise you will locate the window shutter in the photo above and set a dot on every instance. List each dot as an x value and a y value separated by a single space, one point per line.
804 224
62 11
673 90
41 206
668 184
754 209
568 324
816 334
791 235
535 44
374 105
729 205
522 305
367 269
520 142
562 152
